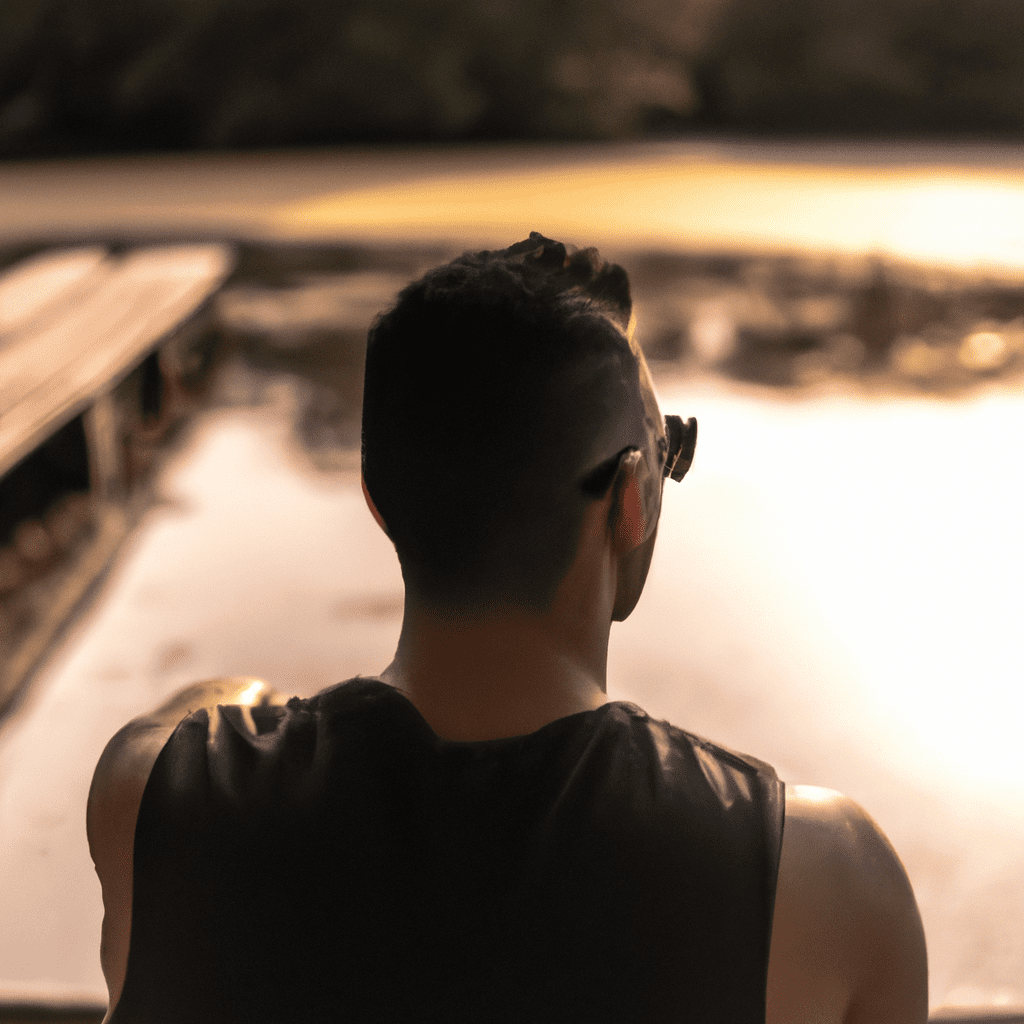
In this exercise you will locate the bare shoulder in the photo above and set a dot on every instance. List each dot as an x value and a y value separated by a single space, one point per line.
118 782
847 941
128 758
116 794
114 798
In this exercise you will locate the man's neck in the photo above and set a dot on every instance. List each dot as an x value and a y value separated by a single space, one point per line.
487 675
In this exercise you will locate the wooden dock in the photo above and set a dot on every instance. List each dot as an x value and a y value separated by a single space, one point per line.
96 347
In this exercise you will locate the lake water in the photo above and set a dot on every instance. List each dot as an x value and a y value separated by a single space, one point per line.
838 582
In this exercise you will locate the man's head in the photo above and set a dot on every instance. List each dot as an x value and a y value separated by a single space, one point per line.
502 393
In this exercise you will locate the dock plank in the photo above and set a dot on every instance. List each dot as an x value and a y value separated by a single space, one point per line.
53 370
41 286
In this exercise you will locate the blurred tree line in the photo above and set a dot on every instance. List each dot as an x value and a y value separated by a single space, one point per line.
122 75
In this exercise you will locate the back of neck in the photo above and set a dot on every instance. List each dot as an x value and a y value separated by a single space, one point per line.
487 675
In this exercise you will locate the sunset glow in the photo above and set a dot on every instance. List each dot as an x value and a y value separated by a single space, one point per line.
955 217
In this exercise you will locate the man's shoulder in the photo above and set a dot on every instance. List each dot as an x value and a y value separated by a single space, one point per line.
730 755
847 932
354 691
118 785
723 767
119 780
836 842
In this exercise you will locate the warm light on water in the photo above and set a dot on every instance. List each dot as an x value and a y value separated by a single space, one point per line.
836 589
946 215
838 583
961 218
901 523
959 205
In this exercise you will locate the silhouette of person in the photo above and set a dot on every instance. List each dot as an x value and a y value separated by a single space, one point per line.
478 834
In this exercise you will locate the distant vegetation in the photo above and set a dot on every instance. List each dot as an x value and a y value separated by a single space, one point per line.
111 75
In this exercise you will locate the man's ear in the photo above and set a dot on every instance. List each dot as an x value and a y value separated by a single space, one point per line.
635 510
373 508
633 507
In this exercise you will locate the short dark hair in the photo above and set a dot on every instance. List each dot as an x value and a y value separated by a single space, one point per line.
483 385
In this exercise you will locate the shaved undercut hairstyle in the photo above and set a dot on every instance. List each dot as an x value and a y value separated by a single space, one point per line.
483 387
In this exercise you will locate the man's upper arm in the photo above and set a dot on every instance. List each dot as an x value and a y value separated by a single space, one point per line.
116 795
894 963
114 799
847 943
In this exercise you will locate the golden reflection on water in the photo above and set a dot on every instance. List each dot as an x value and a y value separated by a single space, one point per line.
946 215
893 531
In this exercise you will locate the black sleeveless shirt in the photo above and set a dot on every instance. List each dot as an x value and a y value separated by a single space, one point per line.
345 864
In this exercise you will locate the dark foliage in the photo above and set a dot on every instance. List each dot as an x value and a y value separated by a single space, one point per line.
100 74
104 75
867 67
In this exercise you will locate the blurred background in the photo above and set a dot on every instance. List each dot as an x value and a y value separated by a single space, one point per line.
203 203
88 76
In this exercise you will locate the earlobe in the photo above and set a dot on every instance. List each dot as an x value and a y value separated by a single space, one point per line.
372 507
631 527
636 509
